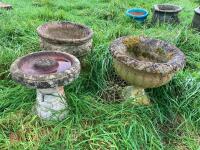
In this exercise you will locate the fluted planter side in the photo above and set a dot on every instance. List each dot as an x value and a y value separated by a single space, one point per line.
196 19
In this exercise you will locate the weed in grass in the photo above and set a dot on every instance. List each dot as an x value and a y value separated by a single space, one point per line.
41 3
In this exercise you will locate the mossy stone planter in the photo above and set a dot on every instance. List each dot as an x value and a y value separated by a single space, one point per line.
196 19
69 37
166 13
48 72
145 63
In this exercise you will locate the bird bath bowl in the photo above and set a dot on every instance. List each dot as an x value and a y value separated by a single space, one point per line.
196 19
69 37
5 6
166 13
48 72
145 63
137 14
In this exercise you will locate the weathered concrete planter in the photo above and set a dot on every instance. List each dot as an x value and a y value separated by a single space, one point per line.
196 19
69 37
166 13
145 63
5 6
48 72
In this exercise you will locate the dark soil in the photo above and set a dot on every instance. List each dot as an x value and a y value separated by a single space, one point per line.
112 93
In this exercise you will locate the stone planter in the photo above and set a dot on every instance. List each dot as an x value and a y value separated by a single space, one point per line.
68 37
166 13
196 19
48 72
145 63
5 6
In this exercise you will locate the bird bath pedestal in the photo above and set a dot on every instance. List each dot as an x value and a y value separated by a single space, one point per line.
48 72
196 19
145 63
51 103
68 37
166 13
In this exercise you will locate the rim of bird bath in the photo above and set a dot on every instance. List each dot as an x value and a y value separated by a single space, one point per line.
60 28
143 68
48 72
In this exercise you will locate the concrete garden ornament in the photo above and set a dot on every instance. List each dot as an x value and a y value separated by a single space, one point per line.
48 72
196 19
5 6
69 37
166 13
145 63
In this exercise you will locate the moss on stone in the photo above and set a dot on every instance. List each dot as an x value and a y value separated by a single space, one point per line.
132 43
141 52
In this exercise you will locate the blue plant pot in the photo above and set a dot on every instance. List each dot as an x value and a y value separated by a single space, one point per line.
137 17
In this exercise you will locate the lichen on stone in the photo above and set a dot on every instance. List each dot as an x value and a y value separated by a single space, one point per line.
159 51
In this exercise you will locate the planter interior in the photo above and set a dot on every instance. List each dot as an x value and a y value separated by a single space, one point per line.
65 31
48 72
145 63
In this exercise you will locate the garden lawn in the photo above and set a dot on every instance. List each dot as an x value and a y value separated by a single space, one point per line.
172 121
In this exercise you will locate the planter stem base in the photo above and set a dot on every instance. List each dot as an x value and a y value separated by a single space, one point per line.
138 94
51 104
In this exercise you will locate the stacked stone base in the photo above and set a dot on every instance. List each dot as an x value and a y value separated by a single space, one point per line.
51 104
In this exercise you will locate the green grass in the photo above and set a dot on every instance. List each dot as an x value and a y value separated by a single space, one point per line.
172 121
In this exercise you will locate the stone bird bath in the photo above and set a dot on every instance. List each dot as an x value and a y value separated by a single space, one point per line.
166 13
48 72
69 37
145 63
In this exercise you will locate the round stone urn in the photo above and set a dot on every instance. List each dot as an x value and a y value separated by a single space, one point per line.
69 37
48 72
196 19
145 63
166 13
